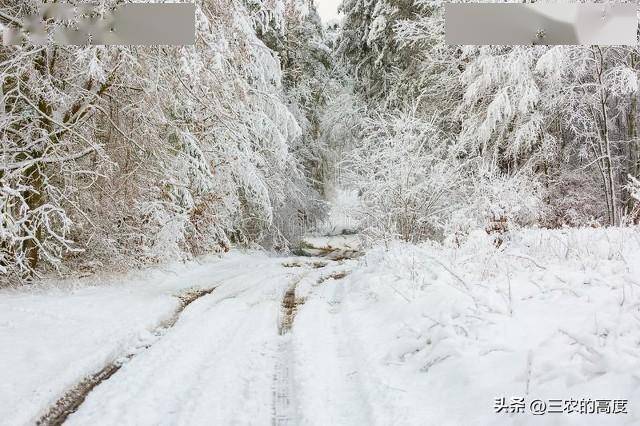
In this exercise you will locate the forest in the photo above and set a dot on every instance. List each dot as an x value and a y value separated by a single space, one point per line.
301 220
141 154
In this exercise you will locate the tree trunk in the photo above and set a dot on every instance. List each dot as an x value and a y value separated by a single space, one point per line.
34 199
633 158
610 186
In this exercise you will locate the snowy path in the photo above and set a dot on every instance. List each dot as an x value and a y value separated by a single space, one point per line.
216 366
231 358
55 334
284 394
234 355
284 397
330 391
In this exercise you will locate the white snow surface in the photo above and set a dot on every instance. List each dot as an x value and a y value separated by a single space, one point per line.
435 334
54 334
412 335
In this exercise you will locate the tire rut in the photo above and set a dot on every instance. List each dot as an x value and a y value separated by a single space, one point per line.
72 399
290 304
284 411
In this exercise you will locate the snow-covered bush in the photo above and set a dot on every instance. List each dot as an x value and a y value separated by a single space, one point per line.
572 197
341 124
634 187
406 176
495 202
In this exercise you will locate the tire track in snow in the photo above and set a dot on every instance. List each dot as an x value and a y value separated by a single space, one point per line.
216 366
284 411
69 403
284 406
355 389
330 384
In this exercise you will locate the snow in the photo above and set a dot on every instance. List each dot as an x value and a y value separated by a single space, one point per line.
406 334
421 348
334 246
341 217
211 368
327 375
218 365
328 10
53 335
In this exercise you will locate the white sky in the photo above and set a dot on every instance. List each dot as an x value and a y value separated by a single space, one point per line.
328 9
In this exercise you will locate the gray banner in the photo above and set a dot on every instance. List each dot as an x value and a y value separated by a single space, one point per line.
551 24
129 24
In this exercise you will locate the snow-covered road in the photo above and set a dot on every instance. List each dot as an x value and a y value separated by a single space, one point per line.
230 358
216 364
233 357
406 335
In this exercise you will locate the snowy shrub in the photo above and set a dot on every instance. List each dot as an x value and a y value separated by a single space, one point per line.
29 233
341 124
552 312
496 203
405 176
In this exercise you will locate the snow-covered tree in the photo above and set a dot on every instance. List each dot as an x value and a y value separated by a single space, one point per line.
148 153
370 45
596 90
634 190
558 123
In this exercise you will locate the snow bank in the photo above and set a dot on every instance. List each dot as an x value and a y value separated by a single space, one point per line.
440 332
